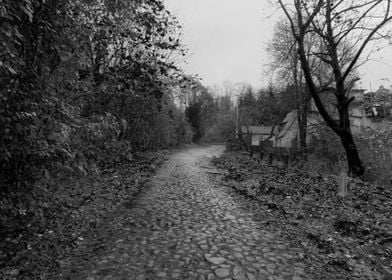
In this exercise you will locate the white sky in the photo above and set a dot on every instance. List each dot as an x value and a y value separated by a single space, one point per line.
227 41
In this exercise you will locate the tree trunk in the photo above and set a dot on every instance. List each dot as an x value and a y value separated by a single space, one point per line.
355 166
302 116
302 108
342 129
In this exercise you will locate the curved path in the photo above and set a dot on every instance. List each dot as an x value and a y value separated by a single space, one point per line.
185 226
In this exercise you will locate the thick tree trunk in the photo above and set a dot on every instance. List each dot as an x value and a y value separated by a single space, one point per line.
355 166
342 127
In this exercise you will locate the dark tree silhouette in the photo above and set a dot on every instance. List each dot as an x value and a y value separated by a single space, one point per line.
344 29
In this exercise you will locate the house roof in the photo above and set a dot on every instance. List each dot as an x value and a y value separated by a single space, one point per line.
262 130
284 126
358 90
291 119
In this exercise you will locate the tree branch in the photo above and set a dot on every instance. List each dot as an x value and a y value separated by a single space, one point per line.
366 41
364 14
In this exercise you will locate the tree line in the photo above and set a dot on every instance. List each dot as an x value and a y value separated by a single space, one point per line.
70 67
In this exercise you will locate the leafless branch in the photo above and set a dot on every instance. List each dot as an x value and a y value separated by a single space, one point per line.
368 38
364 14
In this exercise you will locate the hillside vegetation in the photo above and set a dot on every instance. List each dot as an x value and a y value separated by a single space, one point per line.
86 88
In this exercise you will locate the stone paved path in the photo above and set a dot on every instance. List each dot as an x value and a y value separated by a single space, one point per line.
184 227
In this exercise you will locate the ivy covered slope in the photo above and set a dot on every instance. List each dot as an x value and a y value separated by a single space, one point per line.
86 89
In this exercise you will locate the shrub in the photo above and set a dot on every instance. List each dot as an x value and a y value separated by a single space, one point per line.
325 153
376 152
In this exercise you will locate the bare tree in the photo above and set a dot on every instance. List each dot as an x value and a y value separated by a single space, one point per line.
283 50
345 29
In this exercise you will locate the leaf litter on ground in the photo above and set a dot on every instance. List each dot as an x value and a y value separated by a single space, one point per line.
41 232
348 236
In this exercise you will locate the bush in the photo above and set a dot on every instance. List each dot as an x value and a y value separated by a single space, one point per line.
325 153
376 152
25 126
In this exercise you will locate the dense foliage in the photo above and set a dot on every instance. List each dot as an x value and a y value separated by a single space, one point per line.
265 107
83 84
211 115
68 64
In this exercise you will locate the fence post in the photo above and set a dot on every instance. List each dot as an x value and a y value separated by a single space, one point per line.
270 158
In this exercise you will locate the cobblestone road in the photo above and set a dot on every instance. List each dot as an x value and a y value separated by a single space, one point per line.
184 227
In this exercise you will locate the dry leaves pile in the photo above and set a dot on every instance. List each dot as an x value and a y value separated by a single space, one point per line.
350 236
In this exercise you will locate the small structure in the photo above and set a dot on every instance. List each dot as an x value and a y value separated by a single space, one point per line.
277 140
358 93
254 135
373 112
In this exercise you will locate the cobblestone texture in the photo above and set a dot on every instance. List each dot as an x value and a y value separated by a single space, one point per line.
185 227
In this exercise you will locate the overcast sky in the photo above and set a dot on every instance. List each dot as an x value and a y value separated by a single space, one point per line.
227 41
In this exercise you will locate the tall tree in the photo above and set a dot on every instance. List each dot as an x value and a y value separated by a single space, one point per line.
286 63
200 109
342 27
272 106
247 111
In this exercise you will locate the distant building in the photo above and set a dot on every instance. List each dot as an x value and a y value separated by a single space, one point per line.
283 135
358 93
382 94
256 134
286 133
374 112
367 111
